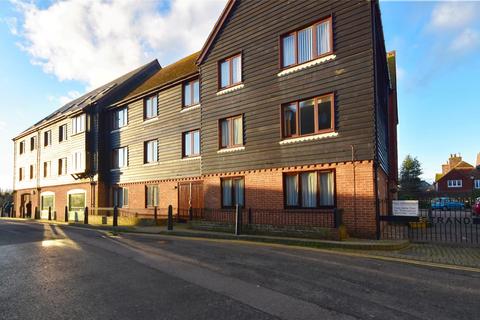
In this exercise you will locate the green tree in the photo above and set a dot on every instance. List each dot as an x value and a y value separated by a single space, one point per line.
410 177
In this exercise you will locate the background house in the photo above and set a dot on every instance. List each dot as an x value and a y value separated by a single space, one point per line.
458 177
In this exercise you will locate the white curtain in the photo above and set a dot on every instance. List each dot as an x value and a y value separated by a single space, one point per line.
326 189
237 69
225 74
187 95
323 38
237 131
239 190
196 92
188 144
225 133
288 50
309 189
291 186
227 193
305 45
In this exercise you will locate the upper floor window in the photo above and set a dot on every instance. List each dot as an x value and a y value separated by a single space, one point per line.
477 184
230 71
308 117
47 169
191 143
78 124
32 172
120 157
33 143
21 147
233 192
151 151
231 132
21 174
62 166
120 118
120 197
151 196
309 189
62 133
191 93
150 107
78 161
47 138
455 183
307 44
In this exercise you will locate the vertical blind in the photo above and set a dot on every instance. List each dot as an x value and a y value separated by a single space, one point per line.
237 70
323 37
288 50
305 40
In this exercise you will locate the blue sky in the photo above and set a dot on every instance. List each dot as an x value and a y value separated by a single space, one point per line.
46 59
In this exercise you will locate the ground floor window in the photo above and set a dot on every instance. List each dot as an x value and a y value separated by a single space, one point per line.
477 184
76 201
151 193
120 197
233 192
48 201
313 189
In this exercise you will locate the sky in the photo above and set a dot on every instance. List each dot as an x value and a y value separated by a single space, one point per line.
53 51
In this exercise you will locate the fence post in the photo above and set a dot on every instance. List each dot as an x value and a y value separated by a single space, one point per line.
85 216
430 214
49 213
66 214
170 218
115 216
190 213
249 216
238 220
155 215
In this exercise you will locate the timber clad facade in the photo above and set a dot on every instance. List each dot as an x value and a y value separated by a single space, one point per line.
289 105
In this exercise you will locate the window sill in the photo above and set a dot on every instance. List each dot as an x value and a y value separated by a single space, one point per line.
191 158
306 65
149 120
151 164
227 150
309 138
190 108
119 129
77 133
231 89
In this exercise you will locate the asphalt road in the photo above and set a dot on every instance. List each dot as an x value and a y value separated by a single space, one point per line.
54 272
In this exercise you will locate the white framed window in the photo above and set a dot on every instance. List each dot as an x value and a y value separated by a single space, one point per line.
151 196
21 174
120 118
33 143
47 138
477 184
32 172
150 107
78 124
62 133
21 147
47 200
47 169
120 157
76 201
120 197
78 162
151 151
62 166
455 183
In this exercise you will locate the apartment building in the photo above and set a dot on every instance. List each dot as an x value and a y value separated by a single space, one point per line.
289 105
57 159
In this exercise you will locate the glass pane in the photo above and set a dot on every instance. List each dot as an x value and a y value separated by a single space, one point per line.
326 188
196 142
290 120
225 74
47 201
238 189
291 190
227 193
288 50
325 113
305 45
155 150
307 117
323 38
237 69
309 189
225 133
196 92
77 201
187 96
188 144
237 131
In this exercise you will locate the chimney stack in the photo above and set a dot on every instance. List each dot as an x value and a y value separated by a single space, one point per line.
478 161
454 160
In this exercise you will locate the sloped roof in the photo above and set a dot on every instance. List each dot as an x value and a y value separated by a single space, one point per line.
215 30
88 98
169 74
463 167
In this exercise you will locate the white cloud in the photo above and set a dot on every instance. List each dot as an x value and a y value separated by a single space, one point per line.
466 41
94 41
454 14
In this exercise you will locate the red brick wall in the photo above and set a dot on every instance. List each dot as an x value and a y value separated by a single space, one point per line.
467 184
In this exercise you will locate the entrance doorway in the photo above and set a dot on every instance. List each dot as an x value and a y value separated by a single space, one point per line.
190 194
26 205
